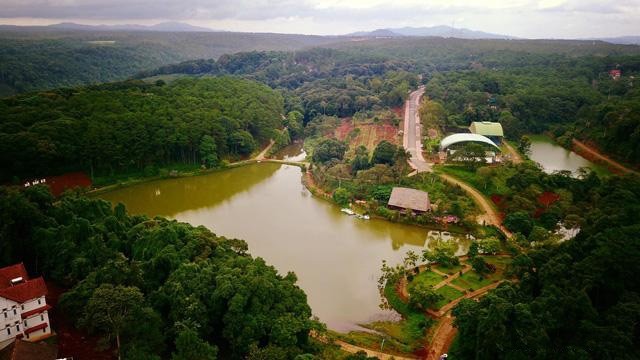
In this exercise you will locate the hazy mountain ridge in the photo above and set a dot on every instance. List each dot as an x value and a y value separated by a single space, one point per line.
439 31
170 26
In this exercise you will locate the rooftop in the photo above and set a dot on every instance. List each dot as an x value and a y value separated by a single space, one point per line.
486 128
25 350
23 291
410 199
11 272
461 138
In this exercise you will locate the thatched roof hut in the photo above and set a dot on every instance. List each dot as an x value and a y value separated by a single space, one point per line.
412 199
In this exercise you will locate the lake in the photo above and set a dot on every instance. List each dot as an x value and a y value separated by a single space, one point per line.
337 258
553 157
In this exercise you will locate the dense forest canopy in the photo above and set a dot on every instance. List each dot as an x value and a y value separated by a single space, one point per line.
122 126
576 300
36 59
187 293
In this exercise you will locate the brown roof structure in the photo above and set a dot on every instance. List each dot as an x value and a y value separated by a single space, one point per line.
25 350
411 199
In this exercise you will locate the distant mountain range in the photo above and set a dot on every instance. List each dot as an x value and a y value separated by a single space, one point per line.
439 31
622 40
165 26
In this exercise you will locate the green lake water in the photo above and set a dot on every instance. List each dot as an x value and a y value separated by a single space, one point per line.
553 157
337 258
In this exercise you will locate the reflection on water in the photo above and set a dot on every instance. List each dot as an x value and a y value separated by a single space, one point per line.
553 157
336 257
293 152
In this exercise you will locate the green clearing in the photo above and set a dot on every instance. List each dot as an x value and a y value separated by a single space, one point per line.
448 269
428 277
496 183
449 295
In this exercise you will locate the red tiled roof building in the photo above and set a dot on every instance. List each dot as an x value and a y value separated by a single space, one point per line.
24 312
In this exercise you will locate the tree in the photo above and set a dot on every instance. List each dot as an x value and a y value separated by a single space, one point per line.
342 196
422 296
361 160
329 149
111 308
443 254
189 346
489 245
208 151
519 221
384 153
480 266
471 154
524 146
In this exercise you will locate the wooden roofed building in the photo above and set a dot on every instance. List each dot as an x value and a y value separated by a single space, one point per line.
414 200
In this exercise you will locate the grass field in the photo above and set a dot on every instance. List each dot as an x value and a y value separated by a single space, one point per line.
448 270
449 295
428 277
472 280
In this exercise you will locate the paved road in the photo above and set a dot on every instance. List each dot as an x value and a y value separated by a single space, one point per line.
412 139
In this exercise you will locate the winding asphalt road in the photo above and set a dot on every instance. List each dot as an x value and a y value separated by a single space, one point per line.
412 138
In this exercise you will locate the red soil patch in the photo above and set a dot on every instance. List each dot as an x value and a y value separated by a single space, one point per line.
61 183
547 198
71 341
387 132
497 199
399 111
344 129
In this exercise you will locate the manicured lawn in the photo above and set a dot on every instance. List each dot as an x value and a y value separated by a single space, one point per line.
448 270
471 280
428 277
449 295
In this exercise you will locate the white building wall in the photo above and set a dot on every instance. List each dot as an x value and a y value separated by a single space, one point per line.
33 304
12 324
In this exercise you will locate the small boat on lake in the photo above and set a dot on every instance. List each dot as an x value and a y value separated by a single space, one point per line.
348 211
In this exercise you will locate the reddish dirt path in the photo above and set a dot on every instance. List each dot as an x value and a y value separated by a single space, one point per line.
445 332
591 154
491 215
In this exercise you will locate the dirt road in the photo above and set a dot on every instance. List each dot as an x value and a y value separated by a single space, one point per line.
592 154
491 215
516 158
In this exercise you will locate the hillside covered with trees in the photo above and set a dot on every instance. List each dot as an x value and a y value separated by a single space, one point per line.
159 288
574 300
35 58
111 128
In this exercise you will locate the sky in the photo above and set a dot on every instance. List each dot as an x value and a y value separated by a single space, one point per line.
522 18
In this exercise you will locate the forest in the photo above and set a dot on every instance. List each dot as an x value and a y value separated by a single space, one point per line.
576 299
179 292
34 58
112 128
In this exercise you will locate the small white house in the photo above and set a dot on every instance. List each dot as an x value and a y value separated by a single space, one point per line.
24 313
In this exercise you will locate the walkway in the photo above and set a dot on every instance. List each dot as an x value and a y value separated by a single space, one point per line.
591 154
412 138
354 349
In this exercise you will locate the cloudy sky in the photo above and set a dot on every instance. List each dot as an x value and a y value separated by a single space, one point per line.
524 18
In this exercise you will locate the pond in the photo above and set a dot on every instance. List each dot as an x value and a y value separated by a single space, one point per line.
553 157
336 257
